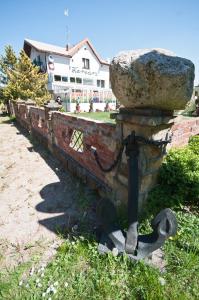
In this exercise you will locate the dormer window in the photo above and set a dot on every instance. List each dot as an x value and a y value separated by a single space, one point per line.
86 63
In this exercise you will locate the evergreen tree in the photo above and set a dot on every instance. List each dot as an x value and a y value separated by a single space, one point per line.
7 63
9 60
24 79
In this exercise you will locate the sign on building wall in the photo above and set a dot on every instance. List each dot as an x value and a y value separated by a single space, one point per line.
76 70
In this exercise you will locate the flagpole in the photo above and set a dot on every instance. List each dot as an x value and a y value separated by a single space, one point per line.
67 28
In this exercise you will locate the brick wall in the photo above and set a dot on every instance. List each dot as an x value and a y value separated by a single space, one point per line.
38 121
99 135
183 129
16 111
21 111
56 129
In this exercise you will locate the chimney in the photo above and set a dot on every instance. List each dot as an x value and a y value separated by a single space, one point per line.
68 47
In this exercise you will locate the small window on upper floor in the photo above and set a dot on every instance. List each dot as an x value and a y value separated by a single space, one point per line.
78 80
101 83
57 77
86 63
72 79
64 79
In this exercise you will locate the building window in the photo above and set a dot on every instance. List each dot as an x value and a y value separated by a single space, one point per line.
86 63
72 79
64 79
78 80
57 77
101 83
87 81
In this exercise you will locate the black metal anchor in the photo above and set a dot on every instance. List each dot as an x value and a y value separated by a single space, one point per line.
164 224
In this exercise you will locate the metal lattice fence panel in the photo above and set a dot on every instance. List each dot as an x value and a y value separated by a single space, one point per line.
76 141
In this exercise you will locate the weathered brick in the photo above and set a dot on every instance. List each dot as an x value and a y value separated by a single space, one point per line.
56 135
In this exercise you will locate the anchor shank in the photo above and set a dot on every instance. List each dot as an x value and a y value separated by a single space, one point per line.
133 188
132 152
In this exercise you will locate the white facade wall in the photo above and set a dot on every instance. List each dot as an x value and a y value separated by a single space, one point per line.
61 64
72 67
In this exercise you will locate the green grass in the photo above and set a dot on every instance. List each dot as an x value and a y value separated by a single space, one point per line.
79 272
5 119
99 116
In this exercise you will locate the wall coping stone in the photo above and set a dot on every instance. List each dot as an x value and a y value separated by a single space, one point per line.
145 117
84 118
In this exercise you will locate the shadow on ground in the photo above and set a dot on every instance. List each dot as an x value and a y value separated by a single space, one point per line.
73 202
6 119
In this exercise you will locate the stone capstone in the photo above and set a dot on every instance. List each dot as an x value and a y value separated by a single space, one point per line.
152 78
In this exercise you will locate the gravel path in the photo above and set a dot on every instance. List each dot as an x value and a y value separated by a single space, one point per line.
37 198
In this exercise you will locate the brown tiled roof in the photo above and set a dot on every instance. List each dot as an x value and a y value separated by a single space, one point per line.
43 47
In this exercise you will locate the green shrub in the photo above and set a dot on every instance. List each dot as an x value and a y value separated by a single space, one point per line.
194 144
178 182
61 109
180 173
190 108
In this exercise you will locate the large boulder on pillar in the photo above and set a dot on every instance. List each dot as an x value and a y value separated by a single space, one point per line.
152 78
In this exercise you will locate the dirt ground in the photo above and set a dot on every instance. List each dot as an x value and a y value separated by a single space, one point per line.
37 197
39 200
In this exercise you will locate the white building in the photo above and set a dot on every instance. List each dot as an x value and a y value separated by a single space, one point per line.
76 73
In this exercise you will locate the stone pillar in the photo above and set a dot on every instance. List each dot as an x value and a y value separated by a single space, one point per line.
29 103
150 85
12 110
152 125
20 101
49 108
17 113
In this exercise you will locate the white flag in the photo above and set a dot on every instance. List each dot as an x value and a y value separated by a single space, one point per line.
66 12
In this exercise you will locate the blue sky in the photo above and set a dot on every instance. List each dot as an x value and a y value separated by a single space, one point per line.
111 25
